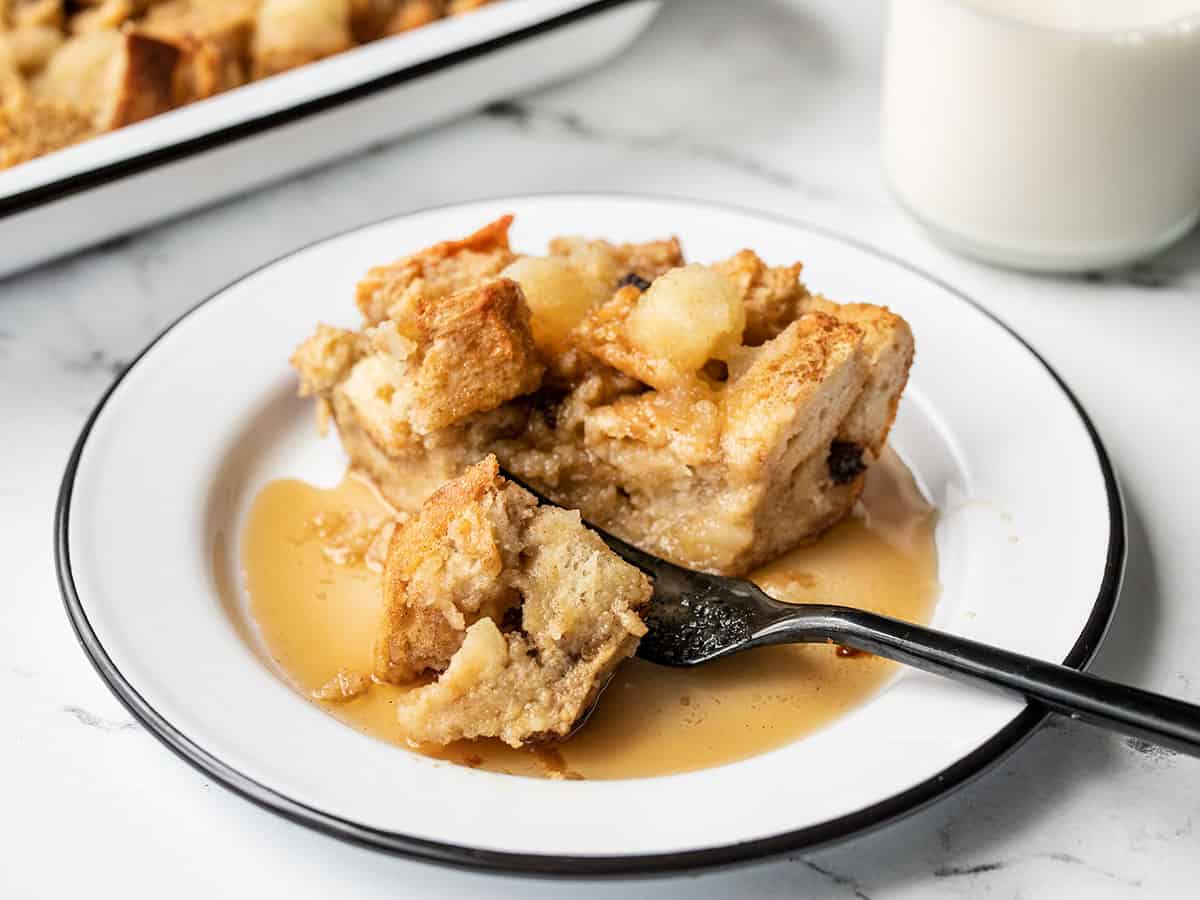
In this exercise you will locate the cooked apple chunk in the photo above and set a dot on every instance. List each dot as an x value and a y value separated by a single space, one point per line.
687 317
524 611
559 296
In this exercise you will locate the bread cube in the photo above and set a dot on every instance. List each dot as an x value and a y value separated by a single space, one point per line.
213 38
889 347
469 352
448 567
111 77
527 612
291 33
393 290
773 296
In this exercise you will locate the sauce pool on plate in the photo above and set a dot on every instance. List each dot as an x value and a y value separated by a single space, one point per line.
310 562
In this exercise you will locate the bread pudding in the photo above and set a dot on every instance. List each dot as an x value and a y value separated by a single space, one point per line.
523 611
72 70
714 414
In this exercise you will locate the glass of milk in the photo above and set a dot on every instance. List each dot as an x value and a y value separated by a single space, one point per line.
1056 135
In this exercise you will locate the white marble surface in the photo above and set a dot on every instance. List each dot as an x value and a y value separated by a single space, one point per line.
768 104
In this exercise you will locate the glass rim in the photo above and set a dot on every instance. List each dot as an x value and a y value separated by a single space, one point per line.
1185 21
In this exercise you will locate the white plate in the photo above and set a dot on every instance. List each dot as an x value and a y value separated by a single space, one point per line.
153 497
198 154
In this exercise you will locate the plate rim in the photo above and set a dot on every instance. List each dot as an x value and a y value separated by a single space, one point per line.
861 821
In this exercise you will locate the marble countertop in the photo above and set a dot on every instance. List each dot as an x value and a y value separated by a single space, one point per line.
769 104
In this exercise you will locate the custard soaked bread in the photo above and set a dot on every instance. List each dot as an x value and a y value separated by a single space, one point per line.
716 415
523 611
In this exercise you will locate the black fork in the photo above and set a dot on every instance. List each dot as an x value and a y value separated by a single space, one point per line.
695 618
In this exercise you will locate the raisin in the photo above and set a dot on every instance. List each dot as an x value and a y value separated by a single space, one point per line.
635 279
547 401
511 620
845 461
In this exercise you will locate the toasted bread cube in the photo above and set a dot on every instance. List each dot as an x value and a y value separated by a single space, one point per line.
114 78
889 348
477 352
393 290
470 352
687 317
535 610
773 297
558 295
446 568
213 38
785 405
788 396
291 33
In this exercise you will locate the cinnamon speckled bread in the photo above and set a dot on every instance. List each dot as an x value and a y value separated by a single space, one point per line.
523 611
716 415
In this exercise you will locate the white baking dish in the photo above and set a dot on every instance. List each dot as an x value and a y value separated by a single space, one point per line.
198 154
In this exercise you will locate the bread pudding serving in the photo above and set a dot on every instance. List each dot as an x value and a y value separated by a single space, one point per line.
715 415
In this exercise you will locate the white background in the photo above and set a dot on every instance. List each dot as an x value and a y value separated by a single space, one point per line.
768 104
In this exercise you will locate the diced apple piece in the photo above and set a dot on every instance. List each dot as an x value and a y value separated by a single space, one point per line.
558 295
687 317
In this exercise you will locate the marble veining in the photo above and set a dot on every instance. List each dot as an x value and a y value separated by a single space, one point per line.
838 880
769 104
91 720
532 118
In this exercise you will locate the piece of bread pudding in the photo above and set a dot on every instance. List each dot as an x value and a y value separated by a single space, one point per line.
716 415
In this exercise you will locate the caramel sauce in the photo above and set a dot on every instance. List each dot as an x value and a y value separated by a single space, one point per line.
315 594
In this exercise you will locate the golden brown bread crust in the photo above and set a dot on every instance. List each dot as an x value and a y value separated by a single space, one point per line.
213 39
476 352
602 336
445 569
774 296
462 354
446 267
145 85
889 347
724 470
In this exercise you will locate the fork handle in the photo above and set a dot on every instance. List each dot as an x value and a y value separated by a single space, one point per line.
1108 704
